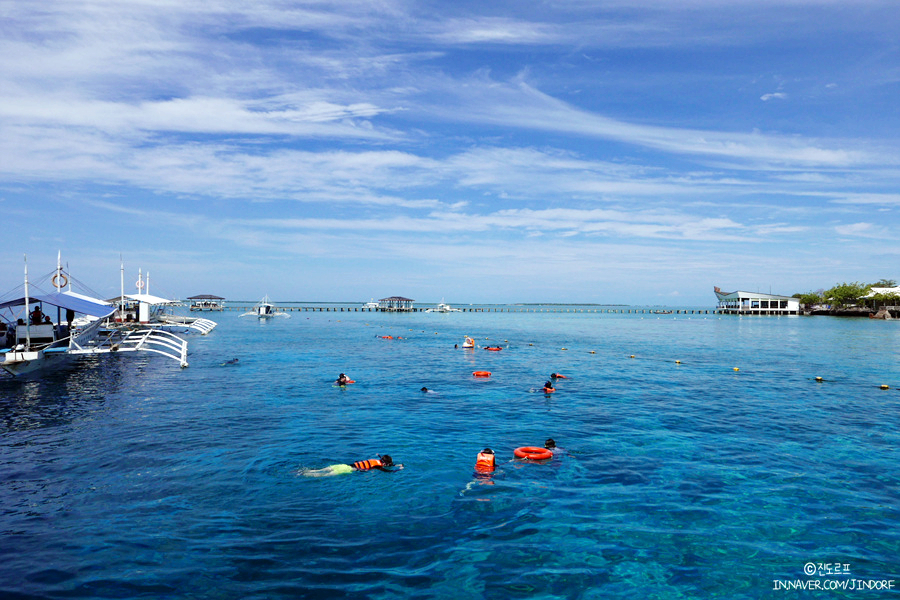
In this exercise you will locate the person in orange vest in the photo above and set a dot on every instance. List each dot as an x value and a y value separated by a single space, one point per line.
382 463
485 462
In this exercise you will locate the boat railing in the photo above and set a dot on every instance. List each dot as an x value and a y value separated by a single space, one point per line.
148 340
202 325
156 340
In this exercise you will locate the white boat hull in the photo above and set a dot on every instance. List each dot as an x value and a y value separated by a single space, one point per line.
23 363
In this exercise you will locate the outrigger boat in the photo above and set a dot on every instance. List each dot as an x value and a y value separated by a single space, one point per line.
146 310
264 309
31 340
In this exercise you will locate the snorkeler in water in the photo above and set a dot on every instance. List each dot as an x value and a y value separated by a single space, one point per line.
382 463
485 462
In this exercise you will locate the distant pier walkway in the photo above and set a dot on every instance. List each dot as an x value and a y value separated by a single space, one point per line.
497 309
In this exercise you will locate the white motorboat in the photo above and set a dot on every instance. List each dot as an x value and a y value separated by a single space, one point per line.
442 307
264 309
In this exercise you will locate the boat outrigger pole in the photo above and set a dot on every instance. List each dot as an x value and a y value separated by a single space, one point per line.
27 312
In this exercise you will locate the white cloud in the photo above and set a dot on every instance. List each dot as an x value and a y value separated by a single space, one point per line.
773 96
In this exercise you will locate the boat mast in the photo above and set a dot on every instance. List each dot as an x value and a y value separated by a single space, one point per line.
58 277
27 312
58 269
122 296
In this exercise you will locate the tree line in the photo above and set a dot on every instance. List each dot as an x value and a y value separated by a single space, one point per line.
853 294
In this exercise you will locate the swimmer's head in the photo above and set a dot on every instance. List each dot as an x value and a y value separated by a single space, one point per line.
386 460
550 443
424 389
487 451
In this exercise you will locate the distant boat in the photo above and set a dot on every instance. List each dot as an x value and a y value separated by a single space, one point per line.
442 307
264 309
370 304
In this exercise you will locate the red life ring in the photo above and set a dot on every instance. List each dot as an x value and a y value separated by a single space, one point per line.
481 373
493 348
532 453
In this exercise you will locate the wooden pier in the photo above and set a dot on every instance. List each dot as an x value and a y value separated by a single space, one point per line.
498 309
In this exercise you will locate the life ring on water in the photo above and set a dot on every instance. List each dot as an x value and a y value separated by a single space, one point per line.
60 277
532 453
493 348
481 373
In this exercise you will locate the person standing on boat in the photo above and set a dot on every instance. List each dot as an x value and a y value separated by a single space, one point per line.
37 317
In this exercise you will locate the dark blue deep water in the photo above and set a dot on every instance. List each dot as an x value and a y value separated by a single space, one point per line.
127 477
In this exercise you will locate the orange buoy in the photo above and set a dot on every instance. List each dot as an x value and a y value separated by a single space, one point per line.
481 373
532 453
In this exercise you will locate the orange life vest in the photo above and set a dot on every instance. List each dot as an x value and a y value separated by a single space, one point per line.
484 463
365 465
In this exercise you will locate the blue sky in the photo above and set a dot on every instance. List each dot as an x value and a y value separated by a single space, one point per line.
612 152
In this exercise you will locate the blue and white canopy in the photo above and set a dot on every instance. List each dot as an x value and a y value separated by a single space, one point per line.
79 304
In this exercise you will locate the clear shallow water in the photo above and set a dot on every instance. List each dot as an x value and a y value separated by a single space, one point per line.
132 478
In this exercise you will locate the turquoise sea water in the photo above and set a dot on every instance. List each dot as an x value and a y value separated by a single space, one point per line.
128 477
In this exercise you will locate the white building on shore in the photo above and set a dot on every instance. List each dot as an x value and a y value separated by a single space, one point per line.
755 303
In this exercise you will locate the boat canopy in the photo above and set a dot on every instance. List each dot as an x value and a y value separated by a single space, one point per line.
150 299
66 301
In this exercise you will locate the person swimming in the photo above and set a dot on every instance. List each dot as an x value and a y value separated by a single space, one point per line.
485 462
548 387
342 379
382 463
550 445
